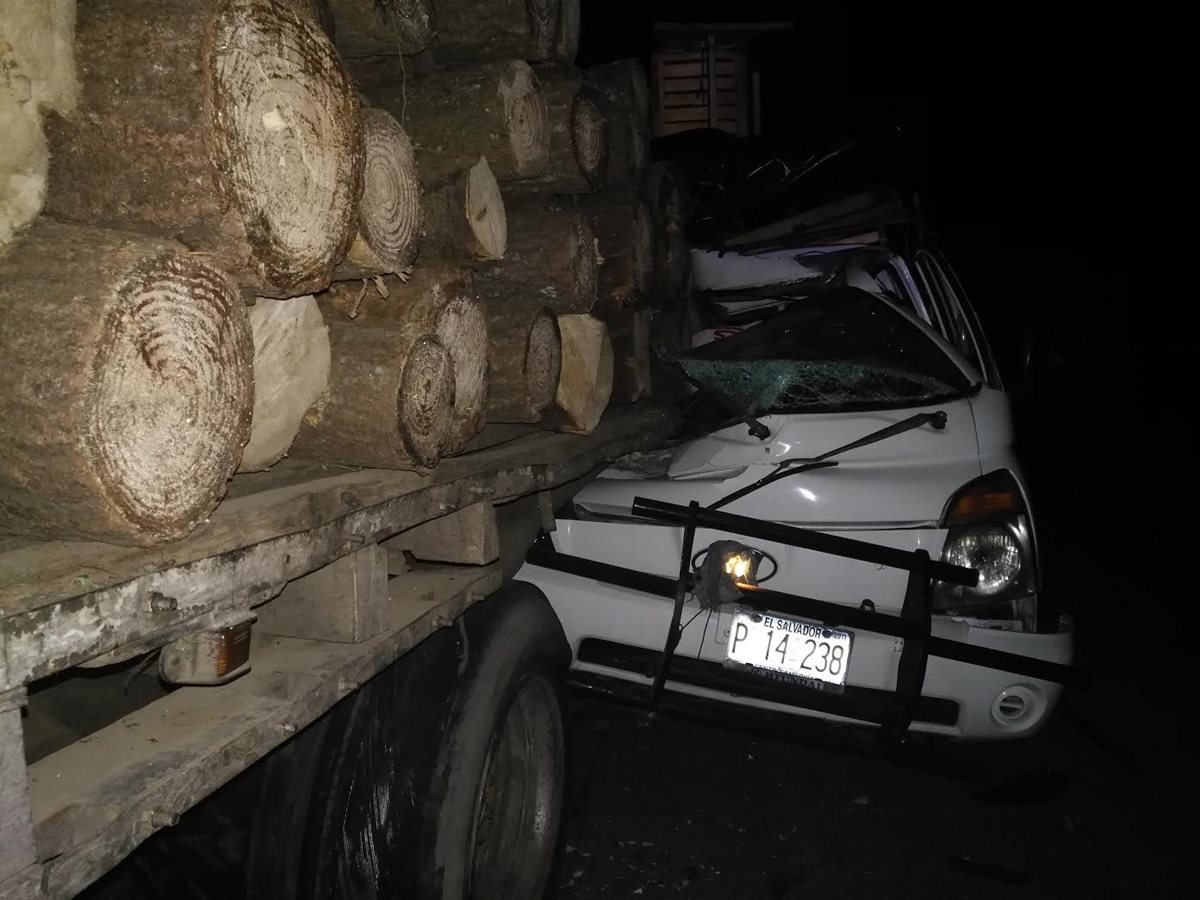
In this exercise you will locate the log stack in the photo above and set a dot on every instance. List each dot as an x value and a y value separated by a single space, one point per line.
352 231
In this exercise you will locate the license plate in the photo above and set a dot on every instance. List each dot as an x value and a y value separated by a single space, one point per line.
780 644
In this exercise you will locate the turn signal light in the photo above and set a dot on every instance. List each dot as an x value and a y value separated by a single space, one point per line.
994 496
207 657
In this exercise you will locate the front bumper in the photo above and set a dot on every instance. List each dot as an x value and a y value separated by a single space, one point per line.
617 633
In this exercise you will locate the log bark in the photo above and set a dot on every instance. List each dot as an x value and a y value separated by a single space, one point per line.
669 197
578 132
493 109
130 386
624 229
381 27
525 361
389 398
471 30
626 95
566 48
465 215
291 370
364 302
624 85
445 308
390 217
551 256
229 124
629 331
585 383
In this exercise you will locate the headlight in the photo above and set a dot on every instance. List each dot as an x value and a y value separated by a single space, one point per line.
993 550
989 531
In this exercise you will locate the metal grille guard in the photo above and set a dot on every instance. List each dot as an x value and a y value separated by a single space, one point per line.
913 625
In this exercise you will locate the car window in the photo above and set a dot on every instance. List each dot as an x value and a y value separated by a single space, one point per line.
991 371
841 349
954 324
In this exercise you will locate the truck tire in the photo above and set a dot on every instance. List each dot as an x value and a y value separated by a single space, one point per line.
441 778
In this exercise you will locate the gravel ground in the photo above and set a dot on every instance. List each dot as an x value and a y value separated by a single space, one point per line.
672 808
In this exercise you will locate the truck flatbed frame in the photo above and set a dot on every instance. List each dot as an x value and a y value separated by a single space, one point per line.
69 817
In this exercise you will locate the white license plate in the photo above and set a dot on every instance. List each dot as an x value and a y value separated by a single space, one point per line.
780 644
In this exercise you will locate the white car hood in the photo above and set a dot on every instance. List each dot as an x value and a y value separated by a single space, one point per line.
902 481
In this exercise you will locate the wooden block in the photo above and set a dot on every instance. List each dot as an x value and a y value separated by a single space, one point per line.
16 823
466 536
345 602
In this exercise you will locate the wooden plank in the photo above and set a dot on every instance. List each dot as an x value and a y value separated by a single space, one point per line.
64 603
698 69
467 536
698 86
16 831
96 800
345 601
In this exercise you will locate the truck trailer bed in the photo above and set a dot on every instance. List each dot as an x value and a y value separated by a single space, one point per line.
71 815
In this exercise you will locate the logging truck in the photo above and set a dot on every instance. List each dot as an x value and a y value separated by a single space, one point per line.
312 313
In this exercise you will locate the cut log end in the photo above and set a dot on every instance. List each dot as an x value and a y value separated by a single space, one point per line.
525 118
589 137
586 264
566 48
543 363
173 389
291 369
585 385
485 211
462 329
390 220
425 400
286 139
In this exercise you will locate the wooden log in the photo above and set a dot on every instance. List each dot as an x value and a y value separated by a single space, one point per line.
626 95
578 155
381 27
669 197
551 256
446 309
525 361
472 30
390 217
130 386
229 124
389 398
629 331
585 382
566 47
365 302
465 215
624 229
493 109
291 369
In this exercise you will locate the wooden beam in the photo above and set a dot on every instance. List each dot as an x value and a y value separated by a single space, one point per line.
346 601
467 536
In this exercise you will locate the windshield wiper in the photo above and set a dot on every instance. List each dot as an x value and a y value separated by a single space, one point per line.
790 467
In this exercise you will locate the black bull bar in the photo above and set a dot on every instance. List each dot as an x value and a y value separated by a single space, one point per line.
913 625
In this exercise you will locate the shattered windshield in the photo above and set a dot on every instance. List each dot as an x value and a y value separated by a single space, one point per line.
841 349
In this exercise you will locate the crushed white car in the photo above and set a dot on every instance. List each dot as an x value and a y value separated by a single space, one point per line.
850 391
